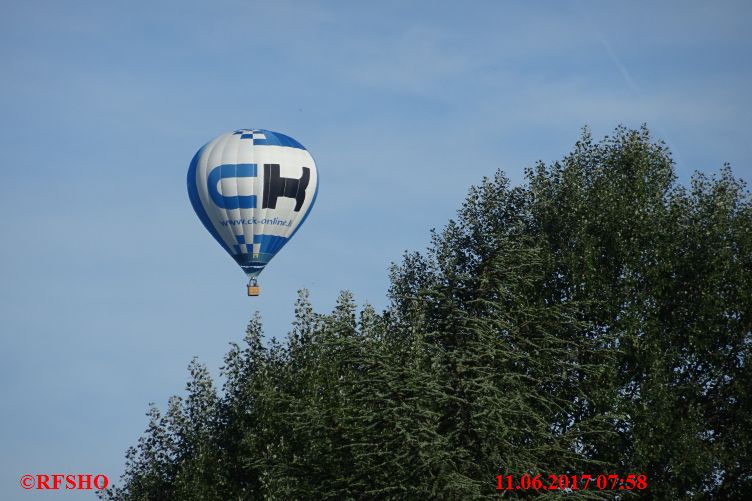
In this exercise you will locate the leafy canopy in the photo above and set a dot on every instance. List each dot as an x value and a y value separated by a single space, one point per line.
596 319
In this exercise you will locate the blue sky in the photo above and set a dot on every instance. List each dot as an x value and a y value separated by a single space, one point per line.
110 285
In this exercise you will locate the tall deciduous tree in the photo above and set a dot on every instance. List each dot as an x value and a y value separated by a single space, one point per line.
597 319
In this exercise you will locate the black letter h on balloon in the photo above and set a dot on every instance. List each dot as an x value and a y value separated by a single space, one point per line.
289 187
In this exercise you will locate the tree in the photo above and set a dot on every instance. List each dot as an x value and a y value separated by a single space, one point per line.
597 319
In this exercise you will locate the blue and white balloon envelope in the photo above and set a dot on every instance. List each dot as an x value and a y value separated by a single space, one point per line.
252 189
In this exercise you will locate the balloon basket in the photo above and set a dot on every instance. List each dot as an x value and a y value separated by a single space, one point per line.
254 290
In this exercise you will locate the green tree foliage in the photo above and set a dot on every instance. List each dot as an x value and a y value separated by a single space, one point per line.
597 319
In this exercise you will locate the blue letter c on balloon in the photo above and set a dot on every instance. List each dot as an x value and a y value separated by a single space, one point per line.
228 171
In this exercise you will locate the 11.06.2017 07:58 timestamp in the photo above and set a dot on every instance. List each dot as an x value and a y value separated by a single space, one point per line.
599 482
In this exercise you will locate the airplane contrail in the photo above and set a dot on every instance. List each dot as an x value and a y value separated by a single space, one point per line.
623 71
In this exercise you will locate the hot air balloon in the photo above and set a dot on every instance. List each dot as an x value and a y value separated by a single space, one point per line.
252 189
